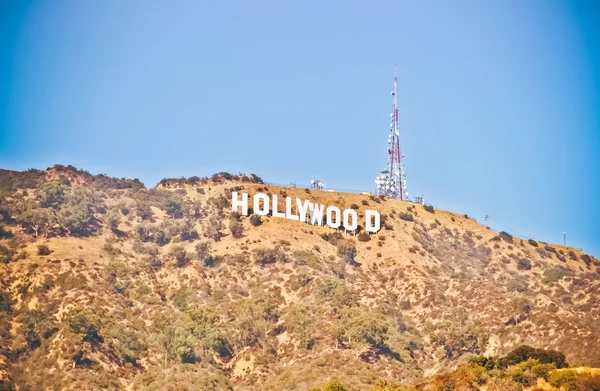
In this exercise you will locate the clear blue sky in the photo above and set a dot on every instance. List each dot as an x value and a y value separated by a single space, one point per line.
499 100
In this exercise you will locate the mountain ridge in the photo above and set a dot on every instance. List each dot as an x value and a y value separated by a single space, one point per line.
133 286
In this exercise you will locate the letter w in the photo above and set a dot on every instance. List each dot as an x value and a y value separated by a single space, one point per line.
316 213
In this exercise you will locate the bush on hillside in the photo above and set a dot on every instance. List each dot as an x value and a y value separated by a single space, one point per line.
144 211
179 254
85 322
572 379
346 250
364 236
586 258
524 264
255 220
429 208
333 237
6 254
51 195
153 258
203 252
38 220
112 221
43 249
214 230
77 213
265 256
307 257
219 202
407 216
236 228
173 206
335 386
553 275
524 353
506 236
528 372
4 233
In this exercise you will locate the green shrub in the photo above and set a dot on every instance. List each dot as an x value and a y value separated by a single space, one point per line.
4 233
219 202
506 236
113 220
153 259
335 386
333 237
174 206
111 250
564 379
532 242
483 361
83 321
144 211
586 258
179 254
429 208
77 213
524 353
203 252
255 220
553 275
265 256
236 228
346 250
527 372
308 258
354 206
6 302
407 216
364 236
214 230
587 381
524 264
43 249
6 254
51 195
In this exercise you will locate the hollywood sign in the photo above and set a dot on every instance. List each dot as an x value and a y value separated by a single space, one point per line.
305 212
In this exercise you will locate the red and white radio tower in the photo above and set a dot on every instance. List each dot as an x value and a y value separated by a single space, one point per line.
392 181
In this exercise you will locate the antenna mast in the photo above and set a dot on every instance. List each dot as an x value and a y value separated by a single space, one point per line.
392 181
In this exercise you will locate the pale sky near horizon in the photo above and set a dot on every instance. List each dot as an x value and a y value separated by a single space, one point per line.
499 100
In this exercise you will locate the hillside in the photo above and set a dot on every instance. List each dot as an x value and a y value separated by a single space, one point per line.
105 284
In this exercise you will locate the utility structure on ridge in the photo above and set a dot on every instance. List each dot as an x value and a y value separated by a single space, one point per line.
392 181
316 184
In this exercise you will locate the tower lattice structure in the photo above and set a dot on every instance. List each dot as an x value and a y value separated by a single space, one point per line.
392 180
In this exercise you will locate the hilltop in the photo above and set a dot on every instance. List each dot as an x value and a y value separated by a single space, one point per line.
105 284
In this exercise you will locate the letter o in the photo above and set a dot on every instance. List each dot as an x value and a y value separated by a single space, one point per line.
333 223
347 214
265 198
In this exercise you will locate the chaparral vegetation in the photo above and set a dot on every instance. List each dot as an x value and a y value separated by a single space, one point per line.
108 285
